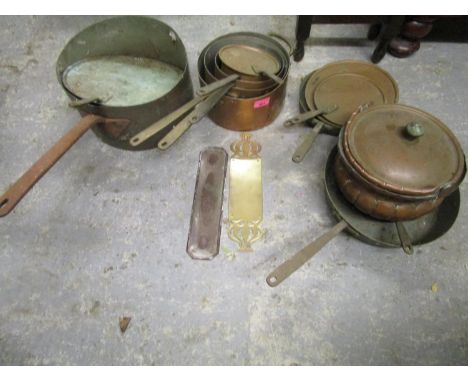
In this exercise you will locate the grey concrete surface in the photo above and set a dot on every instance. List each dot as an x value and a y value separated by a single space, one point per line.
103 234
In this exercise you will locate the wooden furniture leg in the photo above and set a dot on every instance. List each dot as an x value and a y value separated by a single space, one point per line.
303 26
389 30
408 42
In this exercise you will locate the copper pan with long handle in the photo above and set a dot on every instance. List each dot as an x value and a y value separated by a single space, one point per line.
130 52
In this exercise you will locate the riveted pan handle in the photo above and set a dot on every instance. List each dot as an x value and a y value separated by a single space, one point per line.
300 258
170 118
311 114
21 187
77 103
193 117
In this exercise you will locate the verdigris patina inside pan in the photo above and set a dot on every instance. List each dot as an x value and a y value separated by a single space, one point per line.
122 75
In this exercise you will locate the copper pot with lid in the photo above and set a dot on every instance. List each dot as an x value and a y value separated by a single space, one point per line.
397 162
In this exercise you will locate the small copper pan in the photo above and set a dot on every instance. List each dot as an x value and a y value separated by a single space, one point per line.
237 91
250 62
210 58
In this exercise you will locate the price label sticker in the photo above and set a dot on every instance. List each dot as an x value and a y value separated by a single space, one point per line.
262 103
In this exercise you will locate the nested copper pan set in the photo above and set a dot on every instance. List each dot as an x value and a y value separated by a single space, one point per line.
258 94
391 181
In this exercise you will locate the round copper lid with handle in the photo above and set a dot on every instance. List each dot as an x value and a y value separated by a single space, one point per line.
403 150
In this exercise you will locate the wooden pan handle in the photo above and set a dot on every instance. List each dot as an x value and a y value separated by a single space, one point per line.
21 187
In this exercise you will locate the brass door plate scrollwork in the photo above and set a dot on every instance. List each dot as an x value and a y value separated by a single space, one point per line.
245 193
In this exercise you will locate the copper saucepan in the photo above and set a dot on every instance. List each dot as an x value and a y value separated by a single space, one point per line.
130 45
214 66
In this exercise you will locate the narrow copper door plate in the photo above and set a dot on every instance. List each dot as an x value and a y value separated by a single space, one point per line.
245 193
205 224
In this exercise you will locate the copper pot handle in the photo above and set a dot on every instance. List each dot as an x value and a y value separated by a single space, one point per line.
284 40
451 187
286 269
21 187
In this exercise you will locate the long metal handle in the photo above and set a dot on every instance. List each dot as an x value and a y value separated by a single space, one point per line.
300 258
302 118
200 111
306 144
308 115
156 127
205 90
21 187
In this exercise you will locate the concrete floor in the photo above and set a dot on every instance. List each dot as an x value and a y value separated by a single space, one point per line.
103 234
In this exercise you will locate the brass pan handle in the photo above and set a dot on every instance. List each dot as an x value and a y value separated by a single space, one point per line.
170 118
286 269
311 114
21 187
306 144
193 117
268 74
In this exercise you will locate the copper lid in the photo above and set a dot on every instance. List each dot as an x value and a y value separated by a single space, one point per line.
403 150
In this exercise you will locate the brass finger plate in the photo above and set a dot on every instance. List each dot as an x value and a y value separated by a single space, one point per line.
205 224
245 193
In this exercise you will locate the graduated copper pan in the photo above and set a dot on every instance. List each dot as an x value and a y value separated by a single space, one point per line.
238 91
252 113
327 129
377 83
258 84
212 60
270 45
250 61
